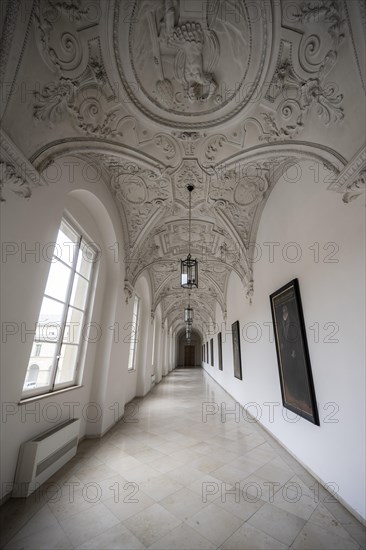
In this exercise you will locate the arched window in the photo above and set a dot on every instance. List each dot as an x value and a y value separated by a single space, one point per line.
134 334
61 331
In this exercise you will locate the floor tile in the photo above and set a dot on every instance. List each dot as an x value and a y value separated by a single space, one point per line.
277 523
206 464
95 474
214 523
41 520
165 464
152 524
298 504
141 473
185 475
275 470
248 537
115 538
322 517
183 538
207 487
235 503
183 503
52 537
314 537
88 524
229 474
129 505
159 487
72 500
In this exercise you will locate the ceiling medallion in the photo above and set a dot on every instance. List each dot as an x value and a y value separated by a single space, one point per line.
184 62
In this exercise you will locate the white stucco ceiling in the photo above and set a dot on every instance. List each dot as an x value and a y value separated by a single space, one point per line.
156 94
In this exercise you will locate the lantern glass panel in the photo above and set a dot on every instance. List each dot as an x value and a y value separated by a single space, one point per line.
188 315
189 273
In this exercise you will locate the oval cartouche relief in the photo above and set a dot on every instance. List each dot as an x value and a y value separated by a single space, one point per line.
133 189
190 62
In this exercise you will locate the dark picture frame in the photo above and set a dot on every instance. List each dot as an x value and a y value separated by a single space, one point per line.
212 352
219 349
293 359
235 332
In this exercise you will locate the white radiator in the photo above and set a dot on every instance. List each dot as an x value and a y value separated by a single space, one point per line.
41 457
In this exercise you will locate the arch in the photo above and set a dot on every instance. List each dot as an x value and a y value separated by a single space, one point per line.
157 347
73 146
93 208
145 335
189 354
104 224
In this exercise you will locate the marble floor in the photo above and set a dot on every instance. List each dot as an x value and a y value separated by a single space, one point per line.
174 474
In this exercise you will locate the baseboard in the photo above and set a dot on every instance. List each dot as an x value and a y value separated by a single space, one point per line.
348 507
5 498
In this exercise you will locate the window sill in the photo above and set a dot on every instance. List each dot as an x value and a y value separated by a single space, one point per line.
49 394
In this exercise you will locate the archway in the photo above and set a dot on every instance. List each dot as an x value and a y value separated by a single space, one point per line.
189 353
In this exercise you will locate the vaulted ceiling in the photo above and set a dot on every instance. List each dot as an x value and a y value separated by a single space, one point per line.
155 94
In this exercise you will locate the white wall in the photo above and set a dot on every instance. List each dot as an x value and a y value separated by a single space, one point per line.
145 338
305 213
158 344
106 384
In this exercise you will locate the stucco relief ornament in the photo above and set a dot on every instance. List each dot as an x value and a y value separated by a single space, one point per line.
55 100
355 189
179 58
11 180
180 52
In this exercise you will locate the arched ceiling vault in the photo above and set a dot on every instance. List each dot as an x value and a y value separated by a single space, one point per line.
156 94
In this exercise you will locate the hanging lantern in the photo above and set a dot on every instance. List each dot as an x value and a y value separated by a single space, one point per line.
189 266
188 315
189 273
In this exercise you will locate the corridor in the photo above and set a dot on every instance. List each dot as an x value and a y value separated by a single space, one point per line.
185 468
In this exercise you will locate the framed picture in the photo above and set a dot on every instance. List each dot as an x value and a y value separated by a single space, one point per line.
297 387
219 349
211 352
235 331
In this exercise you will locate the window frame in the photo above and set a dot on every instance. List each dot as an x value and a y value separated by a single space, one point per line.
83 240
133 342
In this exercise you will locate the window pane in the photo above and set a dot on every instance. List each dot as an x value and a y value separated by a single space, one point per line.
133 334
74 325
58 281
59 331
66 364
86 260
49 322
40 366
79 292
66 244
131 357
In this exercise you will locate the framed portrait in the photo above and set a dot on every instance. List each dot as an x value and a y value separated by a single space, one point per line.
235 331
211 352
297 386
219 349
